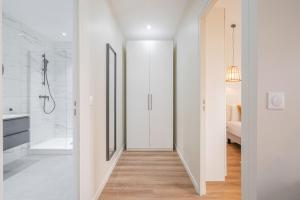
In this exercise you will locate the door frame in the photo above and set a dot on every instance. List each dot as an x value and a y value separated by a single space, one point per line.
76 93
1 107
249 97
76 103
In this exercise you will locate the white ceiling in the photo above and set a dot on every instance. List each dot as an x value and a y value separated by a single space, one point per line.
163 16
48 17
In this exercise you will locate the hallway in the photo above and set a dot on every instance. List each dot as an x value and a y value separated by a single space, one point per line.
161 175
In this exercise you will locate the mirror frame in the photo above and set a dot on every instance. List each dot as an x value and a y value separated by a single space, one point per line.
110 50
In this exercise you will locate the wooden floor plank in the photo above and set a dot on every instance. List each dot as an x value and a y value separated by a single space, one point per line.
161 175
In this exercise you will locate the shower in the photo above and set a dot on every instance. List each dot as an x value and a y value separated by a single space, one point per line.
47 85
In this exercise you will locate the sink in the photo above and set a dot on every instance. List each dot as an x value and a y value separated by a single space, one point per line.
14 116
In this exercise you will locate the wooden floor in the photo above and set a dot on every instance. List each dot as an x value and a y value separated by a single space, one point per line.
161 175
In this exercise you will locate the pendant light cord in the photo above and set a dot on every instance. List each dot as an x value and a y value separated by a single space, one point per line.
233 43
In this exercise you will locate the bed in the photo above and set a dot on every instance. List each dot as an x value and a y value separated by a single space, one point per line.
234 131
233 124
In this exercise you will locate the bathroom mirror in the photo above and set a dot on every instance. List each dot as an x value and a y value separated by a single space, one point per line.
111 101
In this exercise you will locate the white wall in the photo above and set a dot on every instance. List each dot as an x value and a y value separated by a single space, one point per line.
278 69
97 26
187 97
215 127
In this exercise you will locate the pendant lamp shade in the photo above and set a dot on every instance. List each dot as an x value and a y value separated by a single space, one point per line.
233 74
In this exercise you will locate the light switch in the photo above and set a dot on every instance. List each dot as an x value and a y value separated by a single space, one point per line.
276 101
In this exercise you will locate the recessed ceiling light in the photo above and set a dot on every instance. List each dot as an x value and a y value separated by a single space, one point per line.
64 34
149 27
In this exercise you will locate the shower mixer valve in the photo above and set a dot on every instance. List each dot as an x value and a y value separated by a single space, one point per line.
44 97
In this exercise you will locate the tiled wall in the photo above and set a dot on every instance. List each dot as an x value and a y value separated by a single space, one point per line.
16 74
23 77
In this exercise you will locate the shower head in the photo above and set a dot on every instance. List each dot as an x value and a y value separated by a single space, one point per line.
45 67
45 60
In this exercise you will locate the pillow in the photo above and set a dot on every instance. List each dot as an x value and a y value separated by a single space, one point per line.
235 114
240 110
228 112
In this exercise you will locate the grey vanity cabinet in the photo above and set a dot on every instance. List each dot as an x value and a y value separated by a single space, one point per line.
15 132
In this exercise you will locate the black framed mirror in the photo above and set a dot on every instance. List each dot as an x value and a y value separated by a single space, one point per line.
111 101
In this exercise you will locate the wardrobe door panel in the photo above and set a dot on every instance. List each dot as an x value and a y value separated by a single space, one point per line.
137 95
161 90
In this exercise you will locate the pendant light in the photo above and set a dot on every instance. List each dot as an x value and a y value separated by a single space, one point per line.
233 73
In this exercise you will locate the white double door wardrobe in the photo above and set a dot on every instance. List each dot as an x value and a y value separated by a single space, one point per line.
149 95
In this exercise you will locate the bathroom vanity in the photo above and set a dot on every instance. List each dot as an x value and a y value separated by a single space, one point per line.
15 130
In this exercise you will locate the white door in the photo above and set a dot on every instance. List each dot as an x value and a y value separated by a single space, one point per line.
215 110
137 78
161 99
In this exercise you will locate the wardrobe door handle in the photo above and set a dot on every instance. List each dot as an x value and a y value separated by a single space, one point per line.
148 101
151 101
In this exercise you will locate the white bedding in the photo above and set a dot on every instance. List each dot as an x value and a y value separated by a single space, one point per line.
234 127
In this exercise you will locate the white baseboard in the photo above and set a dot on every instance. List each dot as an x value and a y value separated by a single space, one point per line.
196 185
102 185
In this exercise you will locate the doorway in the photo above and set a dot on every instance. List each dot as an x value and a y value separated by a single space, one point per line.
221 98
39 92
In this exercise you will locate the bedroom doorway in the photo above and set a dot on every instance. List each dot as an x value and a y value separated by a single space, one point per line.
221 97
